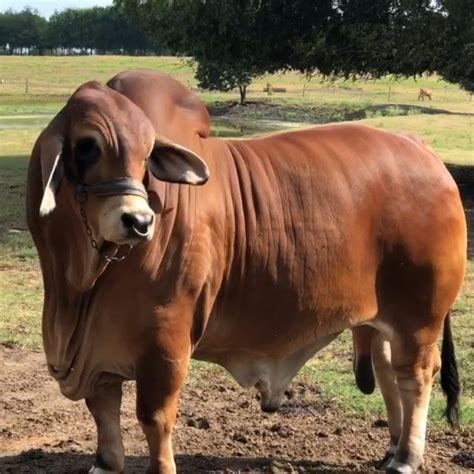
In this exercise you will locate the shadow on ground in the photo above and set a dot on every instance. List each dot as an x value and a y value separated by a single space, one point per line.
263 109
38 461
464 177
405 109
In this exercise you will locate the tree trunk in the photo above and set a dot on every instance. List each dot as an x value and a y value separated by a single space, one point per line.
243 94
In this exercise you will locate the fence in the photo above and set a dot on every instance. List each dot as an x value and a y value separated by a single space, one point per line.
319 92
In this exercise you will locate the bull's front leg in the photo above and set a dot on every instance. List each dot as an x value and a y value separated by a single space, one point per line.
105 408
160 373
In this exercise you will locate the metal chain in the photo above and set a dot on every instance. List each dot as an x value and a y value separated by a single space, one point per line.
114 258
86 224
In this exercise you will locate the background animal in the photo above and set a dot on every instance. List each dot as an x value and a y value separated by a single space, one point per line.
425 93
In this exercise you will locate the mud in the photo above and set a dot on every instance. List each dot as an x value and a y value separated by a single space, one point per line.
220 428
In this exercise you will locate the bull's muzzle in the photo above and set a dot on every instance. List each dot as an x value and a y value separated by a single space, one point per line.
125 217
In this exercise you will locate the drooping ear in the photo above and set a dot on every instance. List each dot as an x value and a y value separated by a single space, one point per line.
176 164
52 170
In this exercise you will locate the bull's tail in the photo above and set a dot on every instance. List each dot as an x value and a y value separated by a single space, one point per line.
449 375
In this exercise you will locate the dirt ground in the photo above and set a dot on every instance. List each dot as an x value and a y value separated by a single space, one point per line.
220 426
220 429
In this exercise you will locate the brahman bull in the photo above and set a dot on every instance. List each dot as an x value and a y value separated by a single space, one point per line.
296 237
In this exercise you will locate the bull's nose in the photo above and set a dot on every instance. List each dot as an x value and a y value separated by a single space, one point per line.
138 224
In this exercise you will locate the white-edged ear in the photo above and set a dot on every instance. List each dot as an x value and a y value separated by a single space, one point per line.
52 171
53 181
176 164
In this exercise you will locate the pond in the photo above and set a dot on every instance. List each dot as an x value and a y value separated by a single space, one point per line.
221 126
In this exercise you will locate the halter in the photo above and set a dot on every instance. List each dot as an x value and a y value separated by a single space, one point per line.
114 187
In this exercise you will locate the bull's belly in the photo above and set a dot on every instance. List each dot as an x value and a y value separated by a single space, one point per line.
270 374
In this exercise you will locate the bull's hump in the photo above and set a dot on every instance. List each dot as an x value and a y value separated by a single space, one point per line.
174 110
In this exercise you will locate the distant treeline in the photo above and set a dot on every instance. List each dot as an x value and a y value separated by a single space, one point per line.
98 30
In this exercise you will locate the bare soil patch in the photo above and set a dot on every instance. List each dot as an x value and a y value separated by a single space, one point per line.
220 429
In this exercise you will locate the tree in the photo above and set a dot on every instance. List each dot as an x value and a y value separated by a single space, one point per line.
234 41
455 62
25 29
104 29
66 29
366 38
223 37
214 75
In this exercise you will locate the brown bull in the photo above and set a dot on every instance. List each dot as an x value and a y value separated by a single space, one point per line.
295 237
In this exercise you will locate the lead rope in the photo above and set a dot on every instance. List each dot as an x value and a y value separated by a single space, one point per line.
109 258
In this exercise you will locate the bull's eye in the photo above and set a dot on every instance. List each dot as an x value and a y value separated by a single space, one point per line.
86 151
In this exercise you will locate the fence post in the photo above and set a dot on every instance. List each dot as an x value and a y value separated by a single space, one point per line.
26 86
304 87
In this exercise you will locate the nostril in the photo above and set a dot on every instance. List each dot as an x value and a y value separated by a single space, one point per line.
141 227
138 223
128 220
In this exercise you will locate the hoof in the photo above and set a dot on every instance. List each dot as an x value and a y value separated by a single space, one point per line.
99 470
398 467
161 468
382 464
269 408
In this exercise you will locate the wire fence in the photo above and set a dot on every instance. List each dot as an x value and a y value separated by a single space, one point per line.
392 93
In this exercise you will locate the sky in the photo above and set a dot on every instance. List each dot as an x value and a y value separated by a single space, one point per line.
47 7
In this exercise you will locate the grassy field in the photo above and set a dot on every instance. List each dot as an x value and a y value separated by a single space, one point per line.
52 79
446 123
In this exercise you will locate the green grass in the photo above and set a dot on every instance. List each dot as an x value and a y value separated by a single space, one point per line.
22 294
450 135
52 80
20 278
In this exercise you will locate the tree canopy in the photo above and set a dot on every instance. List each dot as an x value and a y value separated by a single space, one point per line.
233 41
455 60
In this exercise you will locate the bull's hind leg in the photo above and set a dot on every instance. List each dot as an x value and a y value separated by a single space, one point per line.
105 408
415 366
386 380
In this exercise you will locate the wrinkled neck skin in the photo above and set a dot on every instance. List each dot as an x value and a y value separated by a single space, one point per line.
78 263
71 267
